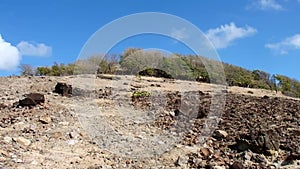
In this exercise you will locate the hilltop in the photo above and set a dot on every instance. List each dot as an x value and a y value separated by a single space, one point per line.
134 61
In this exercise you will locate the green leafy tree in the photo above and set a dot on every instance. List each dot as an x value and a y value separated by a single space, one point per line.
284 83
43 71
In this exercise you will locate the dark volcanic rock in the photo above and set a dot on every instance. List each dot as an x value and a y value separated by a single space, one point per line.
32 99
63 89
37 97
27 102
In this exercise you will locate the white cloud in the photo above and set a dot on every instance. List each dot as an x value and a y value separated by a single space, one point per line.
266 5
30 49
225 35
287 44
9 55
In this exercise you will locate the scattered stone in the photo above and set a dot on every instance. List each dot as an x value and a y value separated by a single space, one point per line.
274 166
56 135
45 119
34 162
265 97
19 161
272 153
205 152
2 159
178 162
95 167
5 153
2 106
250 92
177 112
260 158
172 113
236 165
20 126
73 135
102 76
7 139
72 142
64 123
248 155
22 141
219 134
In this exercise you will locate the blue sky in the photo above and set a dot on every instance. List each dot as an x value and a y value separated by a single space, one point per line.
254 34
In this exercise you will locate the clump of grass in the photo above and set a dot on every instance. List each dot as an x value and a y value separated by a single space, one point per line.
140 94
139 77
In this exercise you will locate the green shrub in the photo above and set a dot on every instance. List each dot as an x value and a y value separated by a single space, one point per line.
140 94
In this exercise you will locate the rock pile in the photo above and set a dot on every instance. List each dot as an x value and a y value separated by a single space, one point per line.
254 131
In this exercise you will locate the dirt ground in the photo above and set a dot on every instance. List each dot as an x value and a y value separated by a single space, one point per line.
104 126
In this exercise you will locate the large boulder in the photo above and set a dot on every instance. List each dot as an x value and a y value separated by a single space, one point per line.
37 97
27 102
63 89
31 99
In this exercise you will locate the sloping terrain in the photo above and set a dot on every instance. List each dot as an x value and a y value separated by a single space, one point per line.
160 122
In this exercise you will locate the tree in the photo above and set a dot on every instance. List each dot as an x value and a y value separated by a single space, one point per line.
107 64
261 75
137 60
284 83
69 69
265 79
55 70
43 71
128 52
27 69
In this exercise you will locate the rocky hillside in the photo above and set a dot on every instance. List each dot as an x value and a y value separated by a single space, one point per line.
143 122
